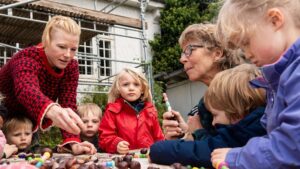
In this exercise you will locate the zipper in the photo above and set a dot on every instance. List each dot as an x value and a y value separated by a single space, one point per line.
270 87
137 124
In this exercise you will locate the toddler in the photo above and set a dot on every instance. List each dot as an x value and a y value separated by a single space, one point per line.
18 131
90 115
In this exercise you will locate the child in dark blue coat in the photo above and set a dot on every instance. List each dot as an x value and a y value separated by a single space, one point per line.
236 108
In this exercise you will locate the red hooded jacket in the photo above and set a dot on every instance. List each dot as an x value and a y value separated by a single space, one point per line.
122 123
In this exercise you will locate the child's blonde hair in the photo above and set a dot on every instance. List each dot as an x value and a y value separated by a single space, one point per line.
86 108
59 22
204 34
238 19
114 91
15 123
231 92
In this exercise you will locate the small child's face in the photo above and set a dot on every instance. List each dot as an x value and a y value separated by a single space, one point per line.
21 137
130 89
219 117
91 122
266 43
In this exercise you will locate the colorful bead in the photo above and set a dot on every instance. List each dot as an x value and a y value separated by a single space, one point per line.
45 156
222 165
22 155
110 164
143 156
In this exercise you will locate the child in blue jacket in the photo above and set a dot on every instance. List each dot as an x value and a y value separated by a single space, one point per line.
236 108
268 31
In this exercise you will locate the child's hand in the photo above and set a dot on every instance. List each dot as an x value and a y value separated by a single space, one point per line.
10 150
219 155
194 123
123 147
173 128
83 148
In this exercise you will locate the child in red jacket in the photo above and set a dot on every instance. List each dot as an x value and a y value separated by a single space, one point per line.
130 120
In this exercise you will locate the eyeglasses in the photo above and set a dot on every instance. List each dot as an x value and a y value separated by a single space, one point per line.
189 49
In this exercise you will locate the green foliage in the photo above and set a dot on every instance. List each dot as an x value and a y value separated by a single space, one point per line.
98 98
50 138
53 137
175 17
158 100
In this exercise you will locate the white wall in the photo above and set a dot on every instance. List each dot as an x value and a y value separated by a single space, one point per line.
124 48
185 95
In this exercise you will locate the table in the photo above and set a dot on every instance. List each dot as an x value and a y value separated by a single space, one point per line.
102 157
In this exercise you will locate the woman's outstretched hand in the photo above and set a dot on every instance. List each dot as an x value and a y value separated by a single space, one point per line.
65 118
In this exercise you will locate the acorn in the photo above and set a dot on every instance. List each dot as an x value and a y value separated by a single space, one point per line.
123 165
135 165
127 158
144 151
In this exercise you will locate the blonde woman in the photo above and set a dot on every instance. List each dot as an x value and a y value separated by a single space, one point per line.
41 81
130 120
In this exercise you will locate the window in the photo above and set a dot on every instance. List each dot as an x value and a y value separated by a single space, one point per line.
6 54
105 54
85 60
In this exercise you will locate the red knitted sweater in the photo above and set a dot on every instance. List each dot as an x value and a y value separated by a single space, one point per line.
30 85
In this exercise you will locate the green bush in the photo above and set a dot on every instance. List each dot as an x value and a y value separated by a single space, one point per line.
50 138
175 17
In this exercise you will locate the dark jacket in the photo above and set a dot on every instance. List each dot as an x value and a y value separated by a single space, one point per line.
198 153
205 117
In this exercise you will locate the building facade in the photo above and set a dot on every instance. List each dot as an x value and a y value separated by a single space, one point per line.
115 34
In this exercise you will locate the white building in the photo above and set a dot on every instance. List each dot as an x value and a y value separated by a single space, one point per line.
111 39
114 33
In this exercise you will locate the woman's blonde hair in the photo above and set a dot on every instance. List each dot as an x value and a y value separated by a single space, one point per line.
238 19
114 91
59 22
204 34
15 123
86 108
231 92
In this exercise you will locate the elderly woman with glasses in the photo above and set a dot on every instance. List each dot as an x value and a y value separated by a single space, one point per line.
203 57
